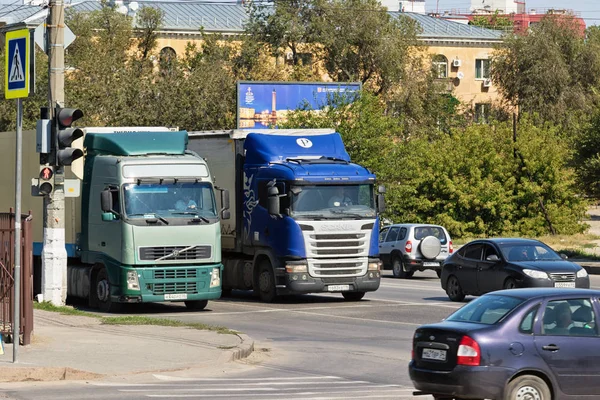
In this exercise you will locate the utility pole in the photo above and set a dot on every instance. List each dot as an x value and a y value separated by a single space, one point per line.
54 254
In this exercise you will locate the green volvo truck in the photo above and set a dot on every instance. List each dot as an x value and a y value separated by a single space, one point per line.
145 228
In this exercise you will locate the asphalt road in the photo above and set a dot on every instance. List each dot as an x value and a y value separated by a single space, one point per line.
307 347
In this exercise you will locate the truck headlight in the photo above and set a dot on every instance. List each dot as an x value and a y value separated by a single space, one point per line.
374 266
215 277
296 268
133 282
582 273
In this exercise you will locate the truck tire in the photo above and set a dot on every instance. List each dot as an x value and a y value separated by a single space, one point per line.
101 291
353 296
196 305
430 247
266 282
399 269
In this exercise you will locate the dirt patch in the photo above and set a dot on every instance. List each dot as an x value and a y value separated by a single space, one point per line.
25 374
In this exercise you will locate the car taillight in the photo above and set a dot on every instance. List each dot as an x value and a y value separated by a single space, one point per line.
408 247
468 352
451 248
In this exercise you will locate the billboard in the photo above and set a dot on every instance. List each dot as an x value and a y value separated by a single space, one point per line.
265 104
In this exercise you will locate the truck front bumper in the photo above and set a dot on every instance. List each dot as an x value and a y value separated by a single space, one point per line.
369 282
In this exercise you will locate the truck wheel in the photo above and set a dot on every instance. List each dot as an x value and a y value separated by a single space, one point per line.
353 296
399 269
196 305
266 282
102 293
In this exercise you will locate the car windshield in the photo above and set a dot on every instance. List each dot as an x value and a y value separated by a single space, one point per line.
528 252
487 309
332 201
169 200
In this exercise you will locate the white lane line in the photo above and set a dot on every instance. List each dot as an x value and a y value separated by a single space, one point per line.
255 389
294 378
353 393
355 318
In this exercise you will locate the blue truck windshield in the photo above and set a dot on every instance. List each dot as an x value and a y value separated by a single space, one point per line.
332 201
169 200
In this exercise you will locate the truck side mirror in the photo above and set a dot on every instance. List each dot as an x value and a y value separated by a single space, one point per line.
225 214
381 189
225 199
106 201
380 203
273 203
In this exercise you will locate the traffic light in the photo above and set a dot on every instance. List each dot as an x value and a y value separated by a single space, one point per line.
46 180
64 135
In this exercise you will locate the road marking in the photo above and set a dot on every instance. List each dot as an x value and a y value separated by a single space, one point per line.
393 392
203 388
295 378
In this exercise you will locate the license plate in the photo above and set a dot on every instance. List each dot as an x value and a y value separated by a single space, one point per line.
564 284
338 288
433 354
431 264
176 296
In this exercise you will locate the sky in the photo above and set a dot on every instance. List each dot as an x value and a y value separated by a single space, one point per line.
589 10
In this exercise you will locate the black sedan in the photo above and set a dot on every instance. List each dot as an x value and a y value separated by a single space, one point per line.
483 266
518 344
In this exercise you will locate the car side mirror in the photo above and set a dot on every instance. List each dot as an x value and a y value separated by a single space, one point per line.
493 258
563 256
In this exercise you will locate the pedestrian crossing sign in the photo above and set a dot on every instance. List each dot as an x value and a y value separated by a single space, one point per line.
16 66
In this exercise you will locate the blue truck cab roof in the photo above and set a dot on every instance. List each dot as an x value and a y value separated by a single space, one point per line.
310 158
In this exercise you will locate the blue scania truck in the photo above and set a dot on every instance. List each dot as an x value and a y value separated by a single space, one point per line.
304 218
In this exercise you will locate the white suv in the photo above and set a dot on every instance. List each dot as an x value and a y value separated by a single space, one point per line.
406 248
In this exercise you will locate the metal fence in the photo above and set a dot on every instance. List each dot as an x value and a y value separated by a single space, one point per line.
7 251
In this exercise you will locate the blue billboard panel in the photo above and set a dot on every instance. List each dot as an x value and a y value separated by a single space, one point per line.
265 104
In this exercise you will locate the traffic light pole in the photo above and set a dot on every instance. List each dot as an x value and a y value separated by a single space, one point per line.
54 254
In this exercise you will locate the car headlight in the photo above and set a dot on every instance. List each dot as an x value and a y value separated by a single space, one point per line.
534 273
582 273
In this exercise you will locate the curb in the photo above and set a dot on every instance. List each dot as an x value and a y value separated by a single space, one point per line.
53 374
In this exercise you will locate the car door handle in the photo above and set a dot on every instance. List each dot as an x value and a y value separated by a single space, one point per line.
551 347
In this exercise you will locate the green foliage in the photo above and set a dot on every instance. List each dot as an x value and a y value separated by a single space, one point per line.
493 21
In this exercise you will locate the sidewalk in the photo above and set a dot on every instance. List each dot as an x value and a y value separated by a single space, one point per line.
76 347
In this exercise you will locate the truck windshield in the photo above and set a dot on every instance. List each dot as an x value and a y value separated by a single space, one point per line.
332 201
169 200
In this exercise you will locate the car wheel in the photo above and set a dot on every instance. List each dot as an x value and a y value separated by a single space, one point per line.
399 269
510 283
353 296
527 387
453 289
266 283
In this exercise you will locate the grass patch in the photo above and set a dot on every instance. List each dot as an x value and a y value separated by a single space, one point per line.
65 310
138 320
576 253
132 320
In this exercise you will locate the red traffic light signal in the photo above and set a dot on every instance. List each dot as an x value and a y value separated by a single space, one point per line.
46 173
64 135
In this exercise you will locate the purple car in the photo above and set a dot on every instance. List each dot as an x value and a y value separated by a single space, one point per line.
529 344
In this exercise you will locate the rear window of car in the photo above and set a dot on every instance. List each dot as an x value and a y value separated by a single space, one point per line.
422 232
488 310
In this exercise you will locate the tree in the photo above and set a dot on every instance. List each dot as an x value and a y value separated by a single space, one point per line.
546 71
493 21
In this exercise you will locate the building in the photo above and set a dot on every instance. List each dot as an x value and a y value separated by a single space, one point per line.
460 53
502 6
415 6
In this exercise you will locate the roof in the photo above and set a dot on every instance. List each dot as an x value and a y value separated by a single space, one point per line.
189 16
532 293
136 143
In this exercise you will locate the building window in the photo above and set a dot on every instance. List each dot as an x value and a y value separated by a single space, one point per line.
440 66
482 112
482 69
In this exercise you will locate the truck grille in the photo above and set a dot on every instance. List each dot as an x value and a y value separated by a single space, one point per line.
337 245
175 273
173 287
563 276
175 253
